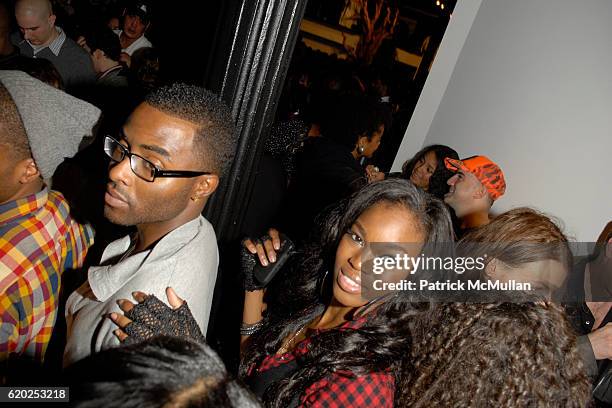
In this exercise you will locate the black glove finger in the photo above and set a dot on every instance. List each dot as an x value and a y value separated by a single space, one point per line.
159 315
188 327
156 306
248 261
145 313
137 333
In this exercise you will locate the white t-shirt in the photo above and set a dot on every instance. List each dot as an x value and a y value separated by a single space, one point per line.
186 259
141 42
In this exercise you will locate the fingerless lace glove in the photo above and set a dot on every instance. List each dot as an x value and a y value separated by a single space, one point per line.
153 317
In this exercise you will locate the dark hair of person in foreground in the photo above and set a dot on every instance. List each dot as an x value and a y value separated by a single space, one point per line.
161 372
39 68
303 291
494 354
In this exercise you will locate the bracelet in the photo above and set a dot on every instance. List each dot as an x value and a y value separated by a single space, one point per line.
248 329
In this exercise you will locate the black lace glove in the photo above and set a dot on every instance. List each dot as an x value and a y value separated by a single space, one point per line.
248 261
152 317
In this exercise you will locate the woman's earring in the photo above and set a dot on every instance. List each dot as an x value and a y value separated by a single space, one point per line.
321 284
360 149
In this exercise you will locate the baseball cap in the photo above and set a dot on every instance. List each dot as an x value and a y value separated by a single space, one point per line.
140 9
485 170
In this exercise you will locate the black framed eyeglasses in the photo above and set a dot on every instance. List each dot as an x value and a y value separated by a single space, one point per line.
141 166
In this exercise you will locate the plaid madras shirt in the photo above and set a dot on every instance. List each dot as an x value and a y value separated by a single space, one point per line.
38 241
340 390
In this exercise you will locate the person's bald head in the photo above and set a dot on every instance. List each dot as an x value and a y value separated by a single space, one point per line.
41 8
36 21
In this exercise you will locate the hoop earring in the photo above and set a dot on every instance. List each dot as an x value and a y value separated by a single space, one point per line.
321 284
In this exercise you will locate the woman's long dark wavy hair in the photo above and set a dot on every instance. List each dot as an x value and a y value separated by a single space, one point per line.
493 354
298 299
437 181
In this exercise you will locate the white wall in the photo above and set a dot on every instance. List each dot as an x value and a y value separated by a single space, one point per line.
528 83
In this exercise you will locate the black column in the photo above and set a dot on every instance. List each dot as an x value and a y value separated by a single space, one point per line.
253 48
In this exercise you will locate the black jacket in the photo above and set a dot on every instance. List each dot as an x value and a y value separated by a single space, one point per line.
326 173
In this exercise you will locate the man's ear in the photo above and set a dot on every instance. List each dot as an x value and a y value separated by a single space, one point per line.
205 186
52 19
28 171
490 270
98 53
481 192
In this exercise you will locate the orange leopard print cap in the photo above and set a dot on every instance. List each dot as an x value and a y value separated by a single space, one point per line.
486 171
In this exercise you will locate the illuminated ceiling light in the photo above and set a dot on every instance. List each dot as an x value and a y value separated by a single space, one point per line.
438 3
442 6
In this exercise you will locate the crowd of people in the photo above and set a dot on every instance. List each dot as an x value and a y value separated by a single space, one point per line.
108 267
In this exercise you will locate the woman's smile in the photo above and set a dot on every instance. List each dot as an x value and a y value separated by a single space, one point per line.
349 284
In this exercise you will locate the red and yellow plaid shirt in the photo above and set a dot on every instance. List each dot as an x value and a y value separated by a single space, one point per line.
38 241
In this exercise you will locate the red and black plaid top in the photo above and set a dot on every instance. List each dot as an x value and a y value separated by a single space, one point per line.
339 389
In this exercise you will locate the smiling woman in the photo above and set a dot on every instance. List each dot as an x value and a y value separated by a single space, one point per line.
322 342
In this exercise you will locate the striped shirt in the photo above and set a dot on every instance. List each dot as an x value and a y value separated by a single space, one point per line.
55 46
39 240
71 61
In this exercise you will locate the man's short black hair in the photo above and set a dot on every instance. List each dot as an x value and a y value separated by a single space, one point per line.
141 9
216 137
104 39
12 131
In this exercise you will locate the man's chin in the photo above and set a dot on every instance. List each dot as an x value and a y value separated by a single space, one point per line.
113 216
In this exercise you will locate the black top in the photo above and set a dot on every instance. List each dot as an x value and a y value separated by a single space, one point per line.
326 173
259 382
582 320
578 312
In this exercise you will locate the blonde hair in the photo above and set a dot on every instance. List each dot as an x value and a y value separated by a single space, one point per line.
519 236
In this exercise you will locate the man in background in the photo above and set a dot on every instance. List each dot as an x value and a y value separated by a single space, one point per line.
41 38
478 182
136 22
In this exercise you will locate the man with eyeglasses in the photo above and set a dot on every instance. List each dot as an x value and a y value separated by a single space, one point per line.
164 165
